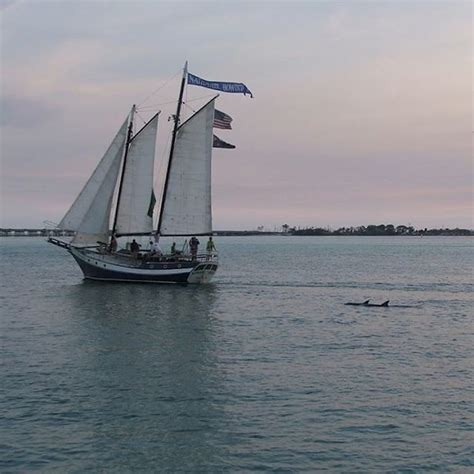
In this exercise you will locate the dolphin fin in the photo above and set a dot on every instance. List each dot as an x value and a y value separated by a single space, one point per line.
385 303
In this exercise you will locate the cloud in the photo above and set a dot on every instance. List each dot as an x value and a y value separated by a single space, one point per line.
348 98
4 4
23 112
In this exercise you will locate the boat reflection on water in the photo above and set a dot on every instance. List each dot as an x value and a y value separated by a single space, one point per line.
154 358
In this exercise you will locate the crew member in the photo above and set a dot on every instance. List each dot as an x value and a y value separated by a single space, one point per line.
210 246
193 245
134 248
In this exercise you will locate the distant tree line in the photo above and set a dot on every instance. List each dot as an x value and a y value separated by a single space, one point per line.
381 229
372 229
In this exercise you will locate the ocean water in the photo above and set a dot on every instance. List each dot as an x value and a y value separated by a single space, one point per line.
266 369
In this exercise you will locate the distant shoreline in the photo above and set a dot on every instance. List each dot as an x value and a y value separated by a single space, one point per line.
315 232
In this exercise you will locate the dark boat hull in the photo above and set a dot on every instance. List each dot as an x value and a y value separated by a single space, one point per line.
104 267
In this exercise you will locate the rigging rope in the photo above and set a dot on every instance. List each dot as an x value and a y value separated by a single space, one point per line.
146 107
159 88
141 118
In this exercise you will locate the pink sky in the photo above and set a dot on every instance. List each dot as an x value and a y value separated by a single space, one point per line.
362 111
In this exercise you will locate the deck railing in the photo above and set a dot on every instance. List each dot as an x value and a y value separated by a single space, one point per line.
143 255
201 257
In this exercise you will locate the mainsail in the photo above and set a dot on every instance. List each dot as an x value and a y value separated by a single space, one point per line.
90 212
137 187
186 203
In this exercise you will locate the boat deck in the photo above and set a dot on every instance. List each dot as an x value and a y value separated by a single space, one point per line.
146 261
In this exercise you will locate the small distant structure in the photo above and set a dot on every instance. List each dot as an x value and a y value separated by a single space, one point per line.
35 232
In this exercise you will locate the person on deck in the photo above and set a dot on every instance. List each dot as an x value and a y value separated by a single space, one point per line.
134 249
113 244
193 245
155 247
210 246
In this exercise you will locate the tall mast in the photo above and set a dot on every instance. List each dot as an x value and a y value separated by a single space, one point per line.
124 164
173 141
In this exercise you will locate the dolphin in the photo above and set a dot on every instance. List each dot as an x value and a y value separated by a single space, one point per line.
366 303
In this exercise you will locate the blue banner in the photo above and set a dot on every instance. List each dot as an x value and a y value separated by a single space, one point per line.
235 87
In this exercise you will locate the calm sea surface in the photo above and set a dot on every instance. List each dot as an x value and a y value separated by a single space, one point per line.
265 369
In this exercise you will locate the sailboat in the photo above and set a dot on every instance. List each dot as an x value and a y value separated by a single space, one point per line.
120 190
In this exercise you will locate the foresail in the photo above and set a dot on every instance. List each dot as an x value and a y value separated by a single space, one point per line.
187 203
90 213
82 205
137 189
94 227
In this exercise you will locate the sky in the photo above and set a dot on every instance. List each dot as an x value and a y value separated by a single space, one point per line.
362 110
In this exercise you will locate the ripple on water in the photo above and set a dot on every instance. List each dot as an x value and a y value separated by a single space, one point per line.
266 369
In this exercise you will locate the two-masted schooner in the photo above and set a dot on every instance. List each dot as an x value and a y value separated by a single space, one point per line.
120 192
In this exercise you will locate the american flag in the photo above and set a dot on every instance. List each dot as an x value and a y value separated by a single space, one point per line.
222 120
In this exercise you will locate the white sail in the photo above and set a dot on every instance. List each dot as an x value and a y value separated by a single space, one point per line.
95 225
187 203
90 213
82 205
137 187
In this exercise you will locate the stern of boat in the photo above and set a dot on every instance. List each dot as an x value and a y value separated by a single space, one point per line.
203 272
